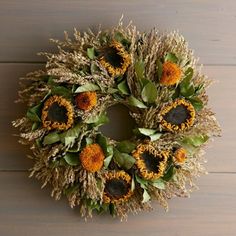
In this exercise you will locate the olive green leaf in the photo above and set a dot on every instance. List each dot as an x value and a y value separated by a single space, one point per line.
146 196
143 183
171 57
149 92
155 136
125 146
170 171
133 184
91 53
61 91
196 102
123 88
196 140
139 68
72 159
146 132
159 69
34 113
135 102
123 160
159 183
87 87
51 138
69 136
98 119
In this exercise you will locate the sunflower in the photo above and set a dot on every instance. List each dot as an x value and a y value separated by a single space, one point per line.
117 187
92 157
177 115
115 59
180 155
86 100
150 162
57 113
171 74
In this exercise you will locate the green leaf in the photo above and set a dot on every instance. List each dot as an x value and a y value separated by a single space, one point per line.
87 87
123 160
197 103
132 184
123 88
159 69
61 91
34 113
91 53
146 196
155 136
139 68
196 140
112 209
199 89
149 93
69 136
186 88
93 68
109 156
143 183
135 102
171 57
102 141
126 146
146 132
159 183
107 161
35 126
98 120
72 159
169 173
51 138
89 141
187 91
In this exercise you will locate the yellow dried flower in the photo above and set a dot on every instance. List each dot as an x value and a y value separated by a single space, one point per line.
150 162
177 115
117 187
115 59
57 113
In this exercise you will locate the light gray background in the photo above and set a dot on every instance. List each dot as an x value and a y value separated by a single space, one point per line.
209 26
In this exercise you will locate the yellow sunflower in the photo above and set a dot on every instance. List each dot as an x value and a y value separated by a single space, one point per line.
117 187
150 162
86 100
177 115
92 157
57 113
171 74
115 59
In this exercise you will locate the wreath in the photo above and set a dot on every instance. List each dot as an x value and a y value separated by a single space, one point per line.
157 78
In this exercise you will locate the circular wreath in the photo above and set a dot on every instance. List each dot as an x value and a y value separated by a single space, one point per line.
157 78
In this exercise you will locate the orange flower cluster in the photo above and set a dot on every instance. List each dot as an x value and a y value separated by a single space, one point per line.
86 100
92 157
171 74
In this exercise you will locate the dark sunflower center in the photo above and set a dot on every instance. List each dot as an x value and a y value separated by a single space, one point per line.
116 188
112 56
177 115
57 113
151 162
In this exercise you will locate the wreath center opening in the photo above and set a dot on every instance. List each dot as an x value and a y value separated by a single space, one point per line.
121 124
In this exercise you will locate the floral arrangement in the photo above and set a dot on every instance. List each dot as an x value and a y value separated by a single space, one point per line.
158 79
